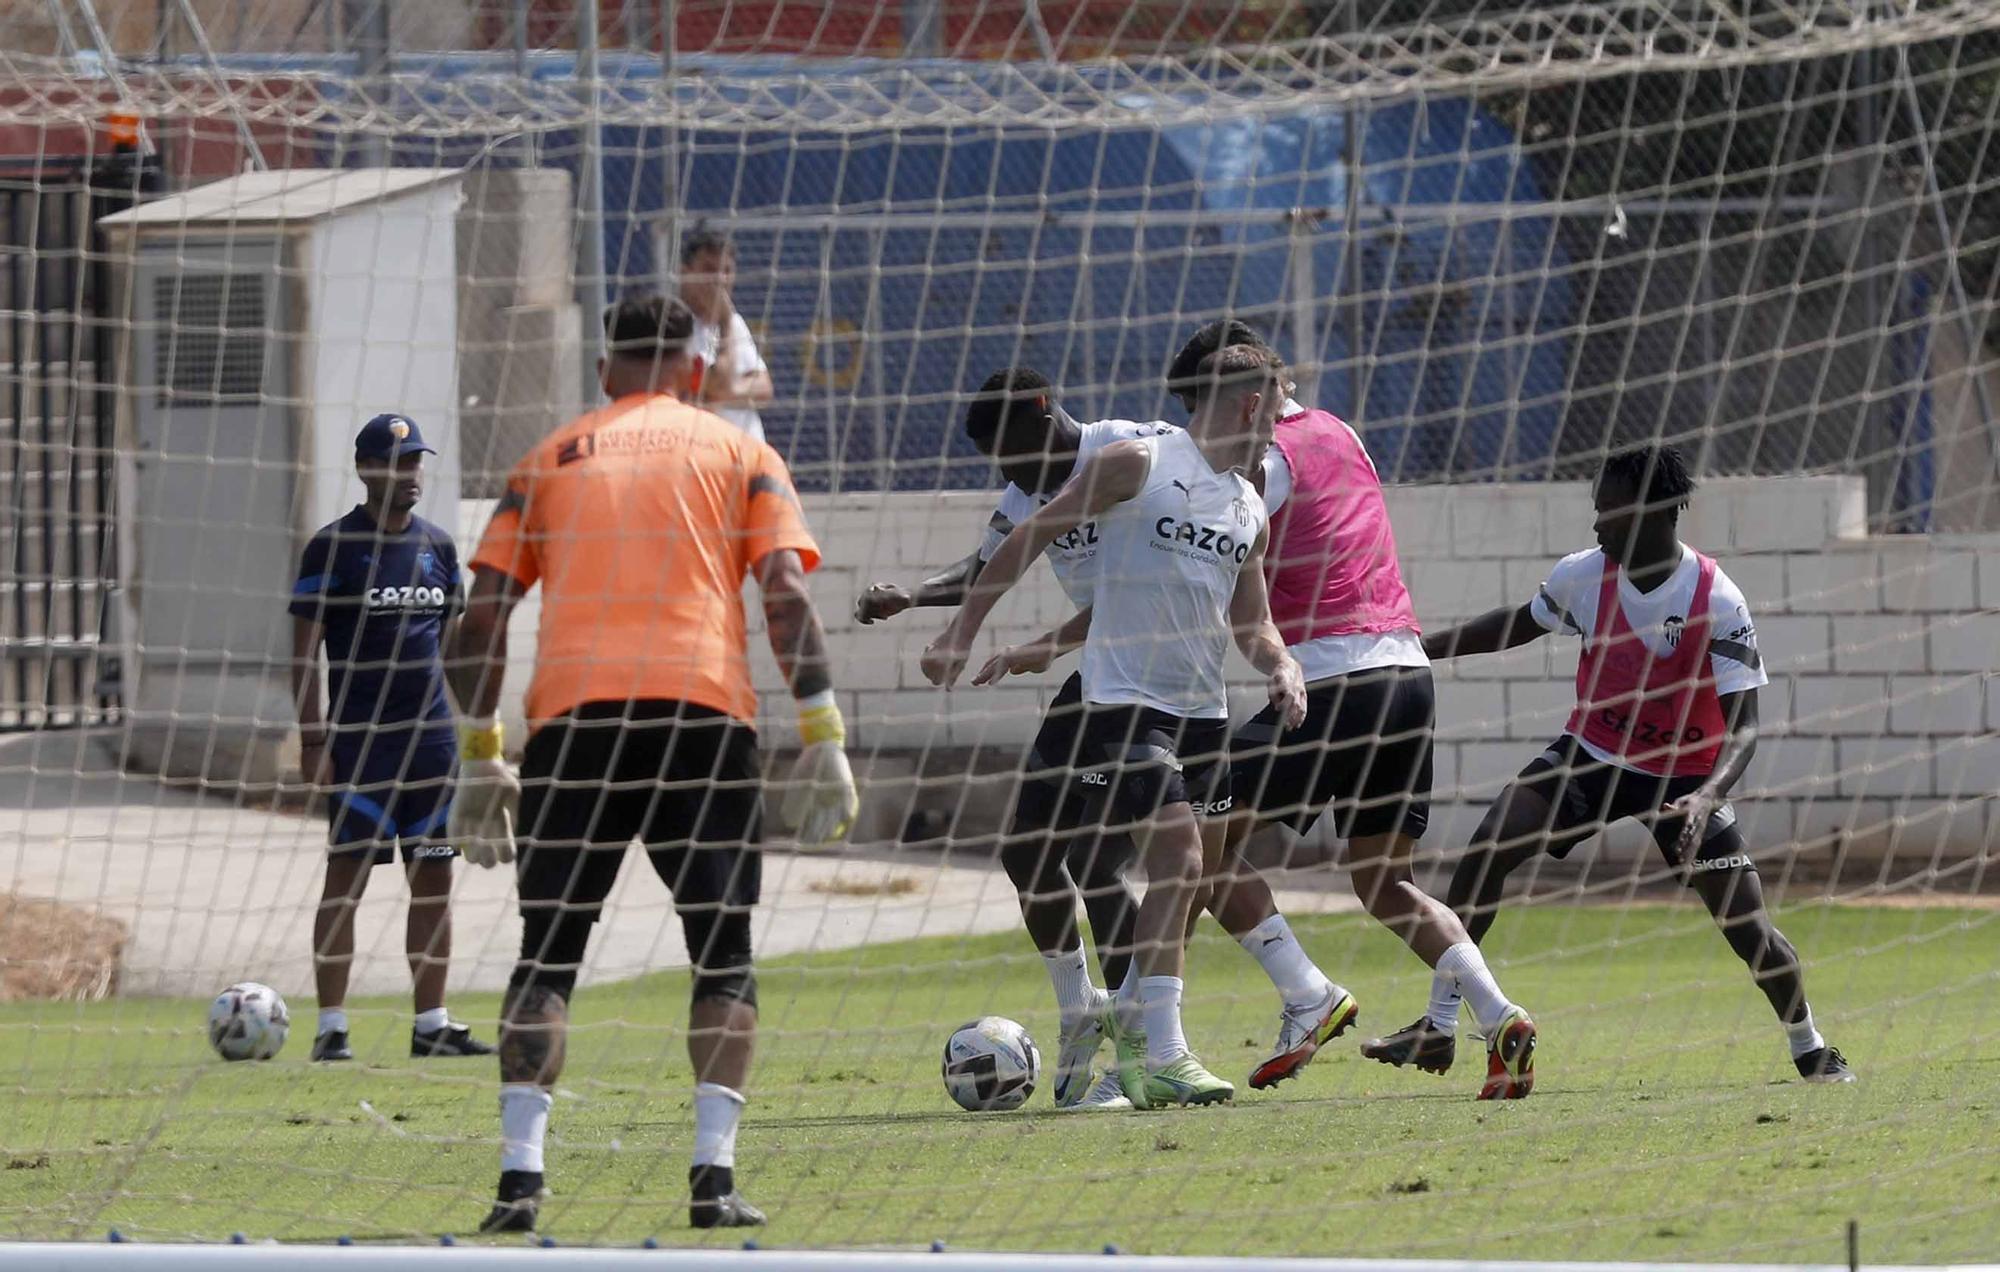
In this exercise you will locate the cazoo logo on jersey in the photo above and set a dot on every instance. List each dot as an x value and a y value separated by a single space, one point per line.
408 597
1202 538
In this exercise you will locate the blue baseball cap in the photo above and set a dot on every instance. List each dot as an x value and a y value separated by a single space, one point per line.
390 437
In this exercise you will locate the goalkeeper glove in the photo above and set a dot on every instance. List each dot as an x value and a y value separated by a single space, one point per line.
821 802
482 806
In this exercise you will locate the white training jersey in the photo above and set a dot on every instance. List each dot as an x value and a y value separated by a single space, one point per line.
1567 604
707 342
1071 555
1166 567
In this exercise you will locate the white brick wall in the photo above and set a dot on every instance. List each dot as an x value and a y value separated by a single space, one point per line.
1882 723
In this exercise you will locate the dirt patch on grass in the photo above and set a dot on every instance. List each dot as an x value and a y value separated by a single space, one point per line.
53 951
892 886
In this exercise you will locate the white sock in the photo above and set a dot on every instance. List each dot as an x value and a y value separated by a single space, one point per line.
1070 975
1160 1008
1803 1035
433 1020
717 1110
524 1124
1443 1011
1467 968
332 1019
1127 998
1284 960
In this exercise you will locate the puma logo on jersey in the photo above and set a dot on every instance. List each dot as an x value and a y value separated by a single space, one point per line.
405 598
1182 487
1202 538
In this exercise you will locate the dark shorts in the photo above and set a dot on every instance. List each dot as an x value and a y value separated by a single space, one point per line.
1585 795
1102 764
392 789
681 779
1363 755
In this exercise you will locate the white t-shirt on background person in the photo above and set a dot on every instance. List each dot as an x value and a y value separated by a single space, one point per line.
748 361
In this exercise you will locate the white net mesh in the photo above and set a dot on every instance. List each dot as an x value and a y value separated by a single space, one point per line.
1500 239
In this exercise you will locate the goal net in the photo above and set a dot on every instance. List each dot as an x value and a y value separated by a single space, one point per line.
1503 240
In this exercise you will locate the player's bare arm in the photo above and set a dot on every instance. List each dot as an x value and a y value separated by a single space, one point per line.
1257 636
798 641
476 666
1739 712
306 637
947 587
1508 627
1113 476
1034 656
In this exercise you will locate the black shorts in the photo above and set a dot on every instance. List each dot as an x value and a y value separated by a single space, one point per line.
392 790
1363 753
1119 764
1585 795
681 779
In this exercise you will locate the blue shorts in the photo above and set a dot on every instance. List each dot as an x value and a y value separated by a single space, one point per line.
391 790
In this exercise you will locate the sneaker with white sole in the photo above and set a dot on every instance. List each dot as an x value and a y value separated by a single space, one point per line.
1076 1053
1108 1096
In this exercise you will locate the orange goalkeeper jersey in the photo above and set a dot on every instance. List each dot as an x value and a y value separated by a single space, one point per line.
640 520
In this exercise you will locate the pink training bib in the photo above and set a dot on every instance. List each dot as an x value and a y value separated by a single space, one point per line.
1331 563
1658 715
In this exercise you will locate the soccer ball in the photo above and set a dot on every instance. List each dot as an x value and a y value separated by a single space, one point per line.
248 1021
991 1065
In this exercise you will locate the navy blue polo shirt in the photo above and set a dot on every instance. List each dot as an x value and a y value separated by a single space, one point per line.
383 600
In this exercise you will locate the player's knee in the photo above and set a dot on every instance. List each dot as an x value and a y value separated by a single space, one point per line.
533 983
719 944
1174 859
727 984
1034 865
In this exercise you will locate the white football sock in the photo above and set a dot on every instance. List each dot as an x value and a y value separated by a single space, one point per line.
1069 974
332 1019
433 1020
1467 968
1284 960
1443 1010
1160 1008
524 1124
717 1110
1804 1037
1127 998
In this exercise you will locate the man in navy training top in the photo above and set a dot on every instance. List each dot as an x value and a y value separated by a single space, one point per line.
379 587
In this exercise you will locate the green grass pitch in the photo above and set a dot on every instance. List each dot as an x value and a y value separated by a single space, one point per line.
1667 1123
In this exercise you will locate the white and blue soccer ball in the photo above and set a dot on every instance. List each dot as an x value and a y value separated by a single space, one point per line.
248 1021
991 1065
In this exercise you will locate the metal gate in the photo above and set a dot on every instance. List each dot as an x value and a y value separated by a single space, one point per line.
58 572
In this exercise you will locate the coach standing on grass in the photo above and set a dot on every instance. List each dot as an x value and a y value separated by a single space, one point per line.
379 588
640 520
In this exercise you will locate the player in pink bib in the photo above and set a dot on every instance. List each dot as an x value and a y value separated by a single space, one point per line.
1664 727
1362 758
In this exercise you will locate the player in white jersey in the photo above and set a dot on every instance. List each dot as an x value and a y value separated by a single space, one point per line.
1051 852
1038 447
1180 533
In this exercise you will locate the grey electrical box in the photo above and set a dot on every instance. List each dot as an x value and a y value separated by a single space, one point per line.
272 314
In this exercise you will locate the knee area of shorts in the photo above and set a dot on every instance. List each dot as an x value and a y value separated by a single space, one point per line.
1032 863
537 995
727 985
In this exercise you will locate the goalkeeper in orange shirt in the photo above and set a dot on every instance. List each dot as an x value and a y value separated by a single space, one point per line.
639 522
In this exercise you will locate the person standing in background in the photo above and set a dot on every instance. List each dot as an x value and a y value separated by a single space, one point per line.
734 381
